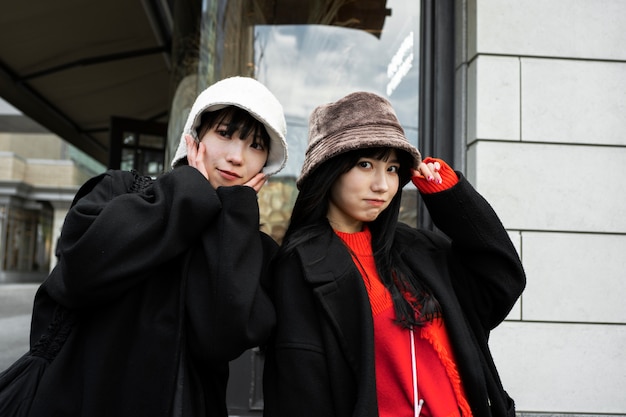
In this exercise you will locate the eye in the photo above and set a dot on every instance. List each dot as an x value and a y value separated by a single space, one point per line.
364 164
223 132
394 169
258 146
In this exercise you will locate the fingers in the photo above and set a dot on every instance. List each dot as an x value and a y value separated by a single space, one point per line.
195 155
257 181
192 150
429 171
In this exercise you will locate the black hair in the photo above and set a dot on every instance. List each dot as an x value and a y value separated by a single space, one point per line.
236 120
413 301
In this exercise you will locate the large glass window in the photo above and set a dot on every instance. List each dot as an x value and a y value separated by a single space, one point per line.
138 145
308 65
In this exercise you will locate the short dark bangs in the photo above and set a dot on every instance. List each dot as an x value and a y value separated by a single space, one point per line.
383 154
236 120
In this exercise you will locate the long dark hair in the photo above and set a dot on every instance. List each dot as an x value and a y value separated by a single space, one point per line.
413 301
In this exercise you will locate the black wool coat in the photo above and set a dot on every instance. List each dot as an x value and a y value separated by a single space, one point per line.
167 286
320 361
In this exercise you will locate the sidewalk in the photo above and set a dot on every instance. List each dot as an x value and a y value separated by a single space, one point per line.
16 304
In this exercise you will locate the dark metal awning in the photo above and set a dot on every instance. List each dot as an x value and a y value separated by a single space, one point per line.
70 65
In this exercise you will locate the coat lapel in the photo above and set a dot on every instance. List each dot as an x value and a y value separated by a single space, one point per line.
342 297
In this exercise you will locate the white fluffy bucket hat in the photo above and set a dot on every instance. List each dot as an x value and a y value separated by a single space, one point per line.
252 96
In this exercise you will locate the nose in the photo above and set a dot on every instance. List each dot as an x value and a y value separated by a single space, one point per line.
236 151
380 181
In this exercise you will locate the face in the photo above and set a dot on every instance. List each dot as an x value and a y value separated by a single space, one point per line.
230 159
362 193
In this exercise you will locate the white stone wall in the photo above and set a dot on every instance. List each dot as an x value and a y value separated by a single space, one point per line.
543 107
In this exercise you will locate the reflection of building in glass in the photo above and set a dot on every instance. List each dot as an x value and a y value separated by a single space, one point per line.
39 175
401 63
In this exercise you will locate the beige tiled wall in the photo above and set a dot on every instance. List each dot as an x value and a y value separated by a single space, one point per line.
546 133
12 168
51 173
552 187
573 101
578 29
494 98
562 368
575 277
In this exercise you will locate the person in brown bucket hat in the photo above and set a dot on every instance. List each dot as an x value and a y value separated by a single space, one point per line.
374 317
359 120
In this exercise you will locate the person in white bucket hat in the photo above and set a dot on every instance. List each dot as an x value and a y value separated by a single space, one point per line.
160 282
257 103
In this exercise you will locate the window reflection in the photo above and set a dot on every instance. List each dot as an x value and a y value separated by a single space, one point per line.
372 49
309 65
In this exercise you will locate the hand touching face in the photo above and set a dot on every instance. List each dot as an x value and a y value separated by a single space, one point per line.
227 160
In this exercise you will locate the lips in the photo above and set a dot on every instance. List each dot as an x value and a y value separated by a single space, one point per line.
229 174
375 202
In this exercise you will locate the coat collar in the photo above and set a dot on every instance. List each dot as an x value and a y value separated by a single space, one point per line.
324 258
339 289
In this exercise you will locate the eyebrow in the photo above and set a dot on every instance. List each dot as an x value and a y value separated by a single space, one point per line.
390 161
257 137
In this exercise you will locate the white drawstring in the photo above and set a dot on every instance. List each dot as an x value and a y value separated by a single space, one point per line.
417 403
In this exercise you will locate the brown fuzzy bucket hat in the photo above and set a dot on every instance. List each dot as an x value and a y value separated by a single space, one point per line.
359 120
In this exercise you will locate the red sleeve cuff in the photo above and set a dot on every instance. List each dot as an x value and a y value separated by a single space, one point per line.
448 178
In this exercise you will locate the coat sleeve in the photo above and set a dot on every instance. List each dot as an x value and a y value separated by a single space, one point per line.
227 302
486 270
113 239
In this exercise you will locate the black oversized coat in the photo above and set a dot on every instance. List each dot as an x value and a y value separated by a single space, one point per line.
166 284
320 362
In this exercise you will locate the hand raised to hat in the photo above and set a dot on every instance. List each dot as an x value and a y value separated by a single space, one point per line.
429 169
433 175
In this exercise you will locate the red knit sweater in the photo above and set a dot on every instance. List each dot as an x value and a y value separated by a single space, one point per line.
438 380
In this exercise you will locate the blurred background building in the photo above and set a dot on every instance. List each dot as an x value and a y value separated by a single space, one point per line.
527 98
